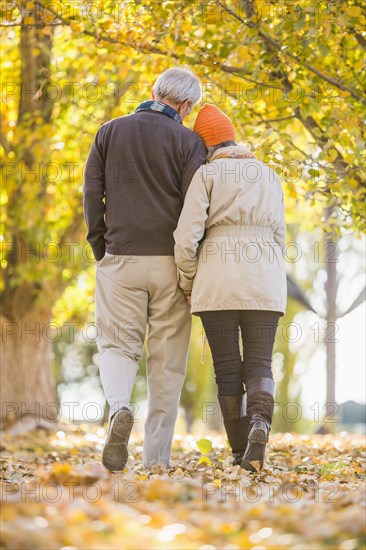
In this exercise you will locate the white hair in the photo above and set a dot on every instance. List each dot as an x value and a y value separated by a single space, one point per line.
177 85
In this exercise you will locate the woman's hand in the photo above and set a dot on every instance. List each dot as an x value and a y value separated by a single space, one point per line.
187 295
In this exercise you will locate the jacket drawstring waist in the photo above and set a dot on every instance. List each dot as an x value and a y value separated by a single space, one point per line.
240 230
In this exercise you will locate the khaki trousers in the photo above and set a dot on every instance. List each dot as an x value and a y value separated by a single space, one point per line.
135 293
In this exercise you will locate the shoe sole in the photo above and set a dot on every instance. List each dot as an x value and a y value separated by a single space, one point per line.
115 452
256 437
259 436
246 465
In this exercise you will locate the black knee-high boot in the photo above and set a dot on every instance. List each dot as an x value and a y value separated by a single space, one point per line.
233 408
260 405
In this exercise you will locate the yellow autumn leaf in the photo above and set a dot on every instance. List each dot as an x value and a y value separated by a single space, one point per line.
106 25
350 157
353 11
29 20
77 26
61 468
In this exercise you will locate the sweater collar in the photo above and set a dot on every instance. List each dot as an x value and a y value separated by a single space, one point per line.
158 106
233 151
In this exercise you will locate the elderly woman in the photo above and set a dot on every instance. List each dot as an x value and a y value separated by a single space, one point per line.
229 253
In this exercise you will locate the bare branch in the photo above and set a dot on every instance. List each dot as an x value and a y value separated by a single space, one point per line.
360 39
106 38
238 71
281 48
39 25
267 120
357 302
322 140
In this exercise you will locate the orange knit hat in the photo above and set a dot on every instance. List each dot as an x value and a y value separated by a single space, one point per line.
213 125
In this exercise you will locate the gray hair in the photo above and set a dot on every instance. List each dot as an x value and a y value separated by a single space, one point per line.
177 85
214 148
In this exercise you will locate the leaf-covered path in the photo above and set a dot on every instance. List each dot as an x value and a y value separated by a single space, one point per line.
57 495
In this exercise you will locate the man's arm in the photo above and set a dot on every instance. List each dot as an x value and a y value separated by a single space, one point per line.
190 230
196 157
94 193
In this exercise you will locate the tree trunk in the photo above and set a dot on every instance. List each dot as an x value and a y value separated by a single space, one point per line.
189 419
27 385
27 382
331 287
330 332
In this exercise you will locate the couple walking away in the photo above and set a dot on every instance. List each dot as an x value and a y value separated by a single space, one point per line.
183 222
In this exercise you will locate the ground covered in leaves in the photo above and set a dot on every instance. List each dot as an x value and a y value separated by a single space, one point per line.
57 495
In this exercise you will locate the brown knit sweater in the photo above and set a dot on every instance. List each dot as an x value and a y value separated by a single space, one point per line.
137 173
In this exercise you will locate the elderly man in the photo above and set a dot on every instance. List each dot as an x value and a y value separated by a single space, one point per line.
137 173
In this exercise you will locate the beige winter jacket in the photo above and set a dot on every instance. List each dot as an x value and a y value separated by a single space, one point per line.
235 207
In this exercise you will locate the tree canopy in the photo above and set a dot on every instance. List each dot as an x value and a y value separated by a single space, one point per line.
290 75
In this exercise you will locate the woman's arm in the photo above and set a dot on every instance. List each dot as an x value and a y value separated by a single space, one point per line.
191 228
